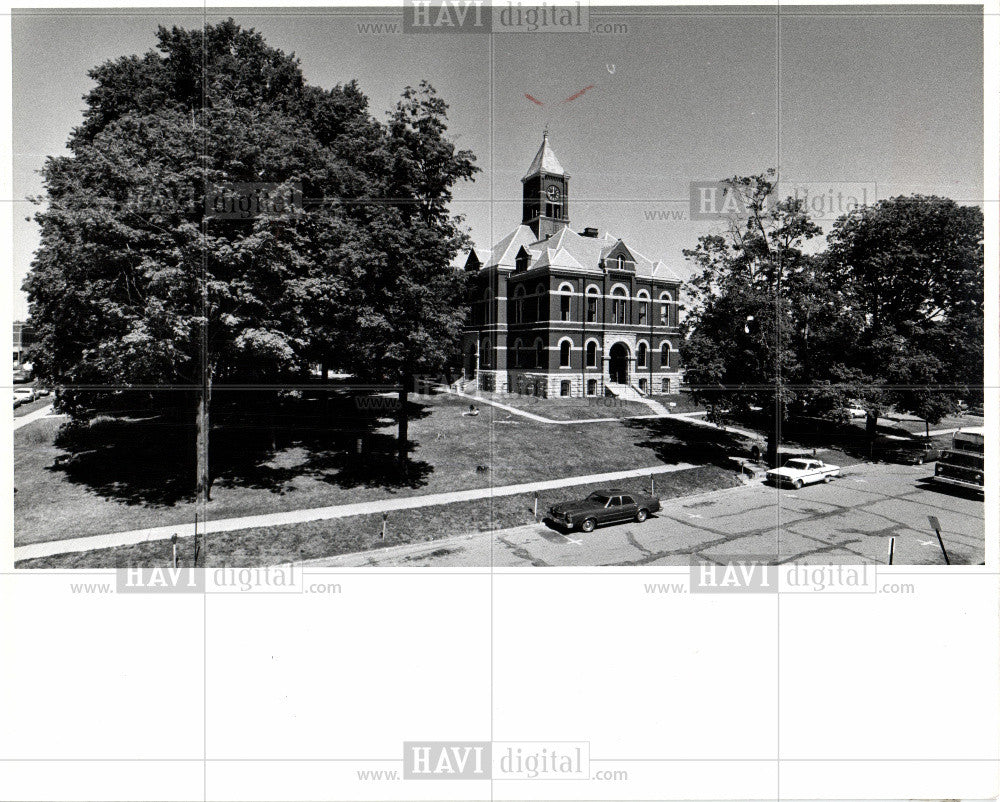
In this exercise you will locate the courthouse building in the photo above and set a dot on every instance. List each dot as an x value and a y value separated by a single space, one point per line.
556 312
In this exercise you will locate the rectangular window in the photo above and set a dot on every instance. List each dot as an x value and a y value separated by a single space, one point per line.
618 311
665 386
664 314
564 306
591 310
642 312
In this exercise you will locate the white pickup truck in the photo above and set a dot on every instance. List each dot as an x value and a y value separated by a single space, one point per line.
798 472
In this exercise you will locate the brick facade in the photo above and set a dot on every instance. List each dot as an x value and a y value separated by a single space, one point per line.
555 312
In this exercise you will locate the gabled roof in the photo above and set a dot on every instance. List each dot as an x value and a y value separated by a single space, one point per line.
505 250
545 161
558 257
569 250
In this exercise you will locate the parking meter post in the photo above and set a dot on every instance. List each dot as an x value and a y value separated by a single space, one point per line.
892 544
652 485
535 510
385 517
173 544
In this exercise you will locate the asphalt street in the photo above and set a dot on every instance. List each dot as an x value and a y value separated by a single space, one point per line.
847 521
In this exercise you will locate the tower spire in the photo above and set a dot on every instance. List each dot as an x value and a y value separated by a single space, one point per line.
545 191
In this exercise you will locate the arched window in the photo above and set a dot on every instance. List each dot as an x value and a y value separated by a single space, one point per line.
592 295
518 345
540 360
640 356
592 354
643 311
621 262
488 314
564 350
484 354
619 301
565 298
540 303
665 354
665 300
519 304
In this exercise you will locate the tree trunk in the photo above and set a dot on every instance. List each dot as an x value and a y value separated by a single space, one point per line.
403 434
871 431
771 457
203 479
774 438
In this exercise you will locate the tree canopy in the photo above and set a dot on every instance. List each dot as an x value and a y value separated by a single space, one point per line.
891 313
139 281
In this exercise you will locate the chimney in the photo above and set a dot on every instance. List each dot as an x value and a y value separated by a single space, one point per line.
589 232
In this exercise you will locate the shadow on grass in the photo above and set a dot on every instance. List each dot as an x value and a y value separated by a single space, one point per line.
149 457
675 441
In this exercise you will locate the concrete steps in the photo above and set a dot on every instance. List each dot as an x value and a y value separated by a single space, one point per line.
628 393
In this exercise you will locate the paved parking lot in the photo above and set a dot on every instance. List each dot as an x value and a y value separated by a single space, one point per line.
847 521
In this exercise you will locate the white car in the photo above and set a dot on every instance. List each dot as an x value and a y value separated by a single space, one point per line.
855 411
25 394
798 472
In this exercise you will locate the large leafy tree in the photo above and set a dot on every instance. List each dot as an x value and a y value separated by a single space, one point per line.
912 269
758 307
409 298
138 282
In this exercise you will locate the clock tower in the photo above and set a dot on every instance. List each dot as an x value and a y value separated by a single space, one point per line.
545 193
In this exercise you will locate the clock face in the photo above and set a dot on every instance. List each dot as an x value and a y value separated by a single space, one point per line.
552 192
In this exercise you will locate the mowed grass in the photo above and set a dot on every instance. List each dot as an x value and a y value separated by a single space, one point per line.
451 451
305 541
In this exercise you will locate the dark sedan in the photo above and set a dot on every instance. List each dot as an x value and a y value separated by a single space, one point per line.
907 452
603 507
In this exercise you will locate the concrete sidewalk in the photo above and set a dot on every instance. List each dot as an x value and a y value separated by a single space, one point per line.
31 417
110 540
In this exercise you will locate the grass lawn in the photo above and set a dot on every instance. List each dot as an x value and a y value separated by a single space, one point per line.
136 481
918 427
279 544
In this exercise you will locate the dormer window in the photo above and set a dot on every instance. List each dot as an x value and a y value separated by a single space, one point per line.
522 260
621 262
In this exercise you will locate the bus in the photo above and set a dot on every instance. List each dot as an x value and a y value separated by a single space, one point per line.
964 463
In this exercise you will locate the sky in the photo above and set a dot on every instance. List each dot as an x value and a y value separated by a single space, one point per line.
878 103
